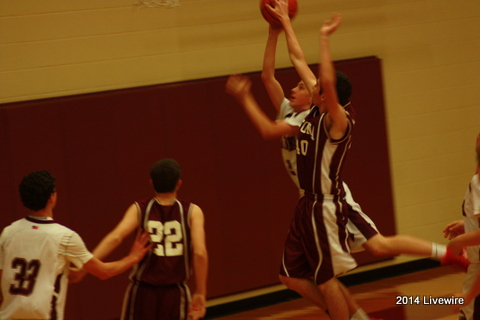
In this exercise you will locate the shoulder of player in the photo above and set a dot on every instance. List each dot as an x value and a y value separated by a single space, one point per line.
195 211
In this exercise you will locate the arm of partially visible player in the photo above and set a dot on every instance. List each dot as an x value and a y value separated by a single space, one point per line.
111 241
337 121
1 295
200 264
274 89
114 238
464 240
297 57
454 229
469 238
239 86
105 270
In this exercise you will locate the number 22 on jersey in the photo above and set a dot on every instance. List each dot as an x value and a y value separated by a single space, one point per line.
167 238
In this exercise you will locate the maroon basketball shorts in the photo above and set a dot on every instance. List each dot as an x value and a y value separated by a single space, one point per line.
147 302
317 242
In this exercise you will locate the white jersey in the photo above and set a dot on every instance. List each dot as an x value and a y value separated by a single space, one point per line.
471 215
289 151
34 259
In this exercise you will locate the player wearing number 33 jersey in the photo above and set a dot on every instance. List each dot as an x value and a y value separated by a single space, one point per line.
34 285
36 255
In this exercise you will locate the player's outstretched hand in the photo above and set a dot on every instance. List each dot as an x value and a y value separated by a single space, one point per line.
238 86
279 10
141 245
329 26
453 229
75 276
197 307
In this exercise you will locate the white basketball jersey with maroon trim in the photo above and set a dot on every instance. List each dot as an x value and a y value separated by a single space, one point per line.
289 146
34 258
471 213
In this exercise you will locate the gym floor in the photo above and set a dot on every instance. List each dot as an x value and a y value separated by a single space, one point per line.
409 296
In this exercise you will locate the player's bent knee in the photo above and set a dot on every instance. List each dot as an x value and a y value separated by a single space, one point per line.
328 285
378 246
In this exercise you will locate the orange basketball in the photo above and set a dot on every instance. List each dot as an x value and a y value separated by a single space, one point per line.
274 22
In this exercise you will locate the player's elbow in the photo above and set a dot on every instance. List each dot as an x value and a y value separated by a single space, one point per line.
267 77
98 269
268 135
103 275
105 272
271 132
114 239
201 254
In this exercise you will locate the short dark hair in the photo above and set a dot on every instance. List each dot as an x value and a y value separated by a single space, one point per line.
344 88
165 175
35 189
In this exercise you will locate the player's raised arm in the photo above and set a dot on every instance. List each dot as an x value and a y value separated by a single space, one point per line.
274 89
297 57
337 119
239 86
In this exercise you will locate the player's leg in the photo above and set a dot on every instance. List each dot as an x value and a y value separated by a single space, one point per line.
402 244
137 302
468 311
173 302
295 272
335 300
365 234
306 288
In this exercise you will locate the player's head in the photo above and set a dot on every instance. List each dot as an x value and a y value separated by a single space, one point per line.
36 189
343 88
300 97
165 175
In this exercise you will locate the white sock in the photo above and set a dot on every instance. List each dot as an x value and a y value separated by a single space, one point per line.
438 250
360 314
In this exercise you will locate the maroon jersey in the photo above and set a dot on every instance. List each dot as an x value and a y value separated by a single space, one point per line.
319 159
168 262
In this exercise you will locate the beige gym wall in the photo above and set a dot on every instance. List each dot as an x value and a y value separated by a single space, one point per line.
430 51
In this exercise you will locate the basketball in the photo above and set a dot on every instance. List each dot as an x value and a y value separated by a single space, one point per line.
274 22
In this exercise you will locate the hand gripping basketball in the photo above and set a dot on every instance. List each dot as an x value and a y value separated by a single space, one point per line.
271 19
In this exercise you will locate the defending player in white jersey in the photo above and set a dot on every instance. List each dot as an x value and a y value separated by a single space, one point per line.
466 233
36 253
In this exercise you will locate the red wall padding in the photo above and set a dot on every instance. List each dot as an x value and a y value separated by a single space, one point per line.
101 146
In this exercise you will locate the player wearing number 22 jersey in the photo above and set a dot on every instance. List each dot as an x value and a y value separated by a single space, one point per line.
159 281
